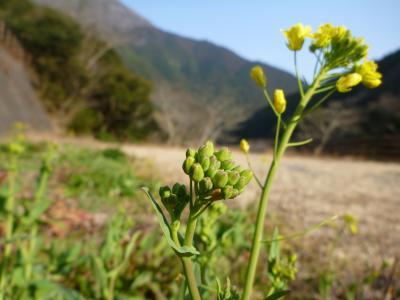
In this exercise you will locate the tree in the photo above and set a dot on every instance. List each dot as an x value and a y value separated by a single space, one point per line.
327 121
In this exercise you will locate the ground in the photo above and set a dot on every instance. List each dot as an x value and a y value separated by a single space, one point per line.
308 190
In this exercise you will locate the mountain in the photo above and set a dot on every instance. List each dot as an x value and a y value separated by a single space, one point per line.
375 128
200 89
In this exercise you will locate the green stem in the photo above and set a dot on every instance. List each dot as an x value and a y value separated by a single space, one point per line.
278 127
269 100
187 262
262 209
41 188
9 225
301 143
318 104
111 287
254 173
300 84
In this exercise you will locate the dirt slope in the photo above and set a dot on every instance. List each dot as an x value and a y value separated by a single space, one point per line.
18 100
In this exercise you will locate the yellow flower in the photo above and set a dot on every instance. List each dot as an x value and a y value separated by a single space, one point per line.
339 32
257 74
345 83
371 78
244 146
296 35
279 101
323 36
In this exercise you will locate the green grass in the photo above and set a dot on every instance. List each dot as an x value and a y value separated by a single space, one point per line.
95 179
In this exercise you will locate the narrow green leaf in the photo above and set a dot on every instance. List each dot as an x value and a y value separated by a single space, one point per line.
277 295
166 229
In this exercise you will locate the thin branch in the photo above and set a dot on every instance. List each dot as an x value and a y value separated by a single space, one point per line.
301 143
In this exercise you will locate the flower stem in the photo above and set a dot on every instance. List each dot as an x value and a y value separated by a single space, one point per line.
262 209
9 225
187 262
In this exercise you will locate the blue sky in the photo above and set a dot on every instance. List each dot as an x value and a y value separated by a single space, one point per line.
252 28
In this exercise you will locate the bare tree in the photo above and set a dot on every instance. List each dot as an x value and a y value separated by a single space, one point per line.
327 121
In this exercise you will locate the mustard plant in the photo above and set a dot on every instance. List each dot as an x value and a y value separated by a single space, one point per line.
340 64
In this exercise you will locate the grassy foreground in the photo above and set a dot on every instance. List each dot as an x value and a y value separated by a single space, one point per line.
96 237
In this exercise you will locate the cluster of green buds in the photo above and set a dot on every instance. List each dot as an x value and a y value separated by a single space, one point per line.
215 175
175 199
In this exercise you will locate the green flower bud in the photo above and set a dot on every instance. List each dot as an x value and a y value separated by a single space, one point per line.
238 169
187 164
240 184
215 164
223 154
235 193
170 203
205 185
164 192
179 190
211 172
233 177
196 172
205 163
220 179
175 188
207 149
247 174
190 152
228 165
227 192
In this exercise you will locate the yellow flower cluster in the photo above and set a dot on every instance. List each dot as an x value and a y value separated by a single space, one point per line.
366 73
325 34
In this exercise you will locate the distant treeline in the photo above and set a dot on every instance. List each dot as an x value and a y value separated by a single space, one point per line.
80 79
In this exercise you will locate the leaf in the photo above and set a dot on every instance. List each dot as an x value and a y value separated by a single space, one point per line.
166 229
47 290
277 295
274 247
37 210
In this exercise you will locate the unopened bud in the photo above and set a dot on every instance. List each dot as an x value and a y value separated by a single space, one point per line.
279 101
214 163
164 192
233 177
223 154
244 146
205 163
235 193
187 164
227 192
238 169
211 172
190 152
247 174
228 165
257 74
241 183
207 149
205 184
197 172
220 179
